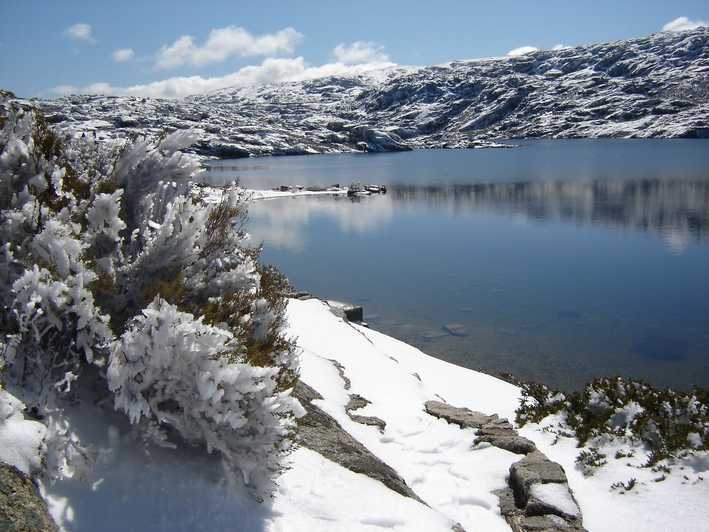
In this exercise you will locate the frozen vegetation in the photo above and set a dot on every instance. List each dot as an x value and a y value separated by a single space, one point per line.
155 376
650 87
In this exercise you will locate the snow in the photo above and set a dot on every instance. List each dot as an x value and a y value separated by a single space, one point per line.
673 504
556 495
21 440
131 488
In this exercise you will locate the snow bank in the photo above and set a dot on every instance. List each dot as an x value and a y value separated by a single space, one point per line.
21 440
183 489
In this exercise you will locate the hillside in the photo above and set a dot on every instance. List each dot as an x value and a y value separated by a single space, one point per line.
656 86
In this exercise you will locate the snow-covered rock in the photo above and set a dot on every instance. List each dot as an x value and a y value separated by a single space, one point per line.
21 440
655 86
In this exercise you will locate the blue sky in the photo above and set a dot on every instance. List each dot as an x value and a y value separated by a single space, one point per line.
50 46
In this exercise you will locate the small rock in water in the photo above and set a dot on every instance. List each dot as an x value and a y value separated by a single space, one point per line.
433 335
455 329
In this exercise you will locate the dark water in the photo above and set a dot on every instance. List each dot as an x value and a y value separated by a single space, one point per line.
559 261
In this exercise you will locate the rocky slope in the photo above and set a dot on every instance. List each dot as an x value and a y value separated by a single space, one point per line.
652 87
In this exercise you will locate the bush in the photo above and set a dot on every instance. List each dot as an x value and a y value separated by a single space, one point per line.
112 262
667 421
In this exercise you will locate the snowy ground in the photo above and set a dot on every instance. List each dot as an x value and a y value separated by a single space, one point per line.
128 488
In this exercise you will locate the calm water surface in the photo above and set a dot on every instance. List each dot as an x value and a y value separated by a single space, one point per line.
558 261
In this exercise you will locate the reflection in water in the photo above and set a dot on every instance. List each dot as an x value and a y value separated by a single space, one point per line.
675 210
281 222
678 210
577 293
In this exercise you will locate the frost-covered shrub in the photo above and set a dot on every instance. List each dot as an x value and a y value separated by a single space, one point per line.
666 420
590 460
168 368
116 275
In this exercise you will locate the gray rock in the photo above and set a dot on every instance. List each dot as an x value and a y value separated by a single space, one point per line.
545 523
535 468
22 509
346 310
455 329
463 417
377 141
341 370
554 499
513 444
356 402
321 433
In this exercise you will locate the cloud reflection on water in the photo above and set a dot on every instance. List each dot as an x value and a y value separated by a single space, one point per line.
677 211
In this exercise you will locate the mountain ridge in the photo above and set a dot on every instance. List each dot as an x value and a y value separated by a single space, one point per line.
652 87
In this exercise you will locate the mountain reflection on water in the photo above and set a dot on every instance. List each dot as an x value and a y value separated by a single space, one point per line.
675 210
678 210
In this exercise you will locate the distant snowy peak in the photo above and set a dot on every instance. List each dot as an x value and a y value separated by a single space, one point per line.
657 86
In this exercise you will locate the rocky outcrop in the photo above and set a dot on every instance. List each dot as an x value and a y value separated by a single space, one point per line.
22 509
377 141
463 417
321 433
355 403
651 87
538 497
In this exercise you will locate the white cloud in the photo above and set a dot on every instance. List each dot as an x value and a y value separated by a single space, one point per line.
522 50
684 24
123 54
271 70
360 52
560 47
79 32
224 43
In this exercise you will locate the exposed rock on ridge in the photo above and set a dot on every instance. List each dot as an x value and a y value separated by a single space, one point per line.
656 86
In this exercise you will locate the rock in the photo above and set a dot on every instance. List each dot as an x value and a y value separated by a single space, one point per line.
321 433
514 444
552 498
455 329
582 92
346 310
463 417
377 141
222 150
546 523
341 370
22 509
356 402
535 468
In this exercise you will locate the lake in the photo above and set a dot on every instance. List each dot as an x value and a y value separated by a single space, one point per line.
557 261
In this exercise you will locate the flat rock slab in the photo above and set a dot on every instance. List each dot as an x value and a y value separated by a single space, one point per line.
514 444
463 417
320 432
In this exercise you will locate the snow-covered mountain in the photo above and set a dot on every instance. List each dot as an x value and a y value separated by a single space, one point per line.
651 87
